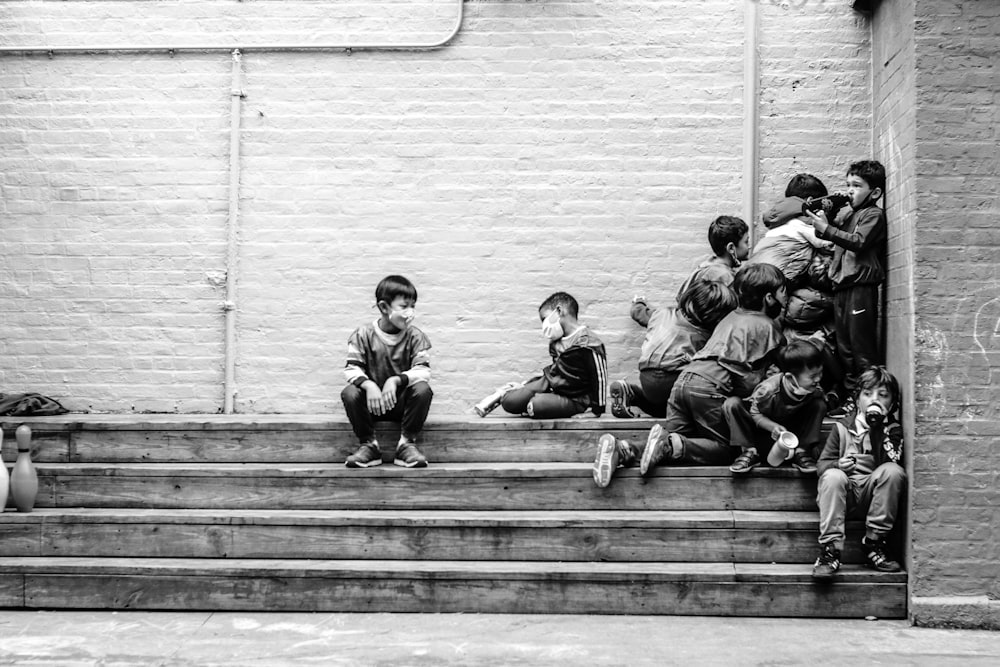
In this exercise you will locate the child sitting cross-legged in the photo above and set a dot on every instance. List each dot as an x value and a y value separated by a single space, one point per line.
732 363
577 377
860 474
673 336
788 401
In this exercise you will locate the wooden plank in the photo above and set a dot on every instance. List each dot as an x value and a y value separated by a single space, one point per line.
12 590
376 594
47 447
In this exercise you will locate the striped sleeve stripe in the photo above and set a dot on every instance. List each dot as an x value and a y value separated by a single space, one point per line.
601 364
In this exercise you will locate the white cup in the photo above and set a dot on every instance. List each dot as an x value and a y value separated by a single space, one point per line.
782 449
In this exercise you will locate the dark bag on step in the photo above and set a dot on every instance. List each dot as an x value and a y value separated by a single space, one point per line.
29 405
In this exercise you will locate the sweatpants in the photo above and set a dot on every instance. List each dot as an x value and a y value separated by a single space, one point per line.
875 497
535 399
412 405
855 322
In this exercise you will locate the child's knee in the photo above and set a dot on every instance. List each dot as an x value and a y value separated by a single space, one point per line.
891 472
732 405
351 393
420 391
834 478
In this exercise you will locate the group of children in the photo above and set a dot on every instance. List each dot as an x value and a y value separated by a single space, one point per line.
707 364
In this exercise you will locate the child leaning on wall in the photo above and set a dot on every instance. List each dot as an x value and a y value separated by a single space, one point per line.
388 377
673 336
857 270
732 363
860 473
575 381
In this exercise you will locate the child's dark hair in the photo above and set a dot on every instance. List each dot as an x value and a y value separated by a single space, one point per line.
724 230
569 304
755 281
878 376
870 171
805 186
704 303
799 356
392 287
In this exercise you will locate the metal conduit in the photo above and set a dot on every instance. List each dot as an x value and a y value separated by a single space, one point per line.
229 306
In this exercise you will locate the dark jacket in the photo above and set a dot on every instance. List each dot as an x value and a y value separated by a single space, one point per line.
859 256
579 369
886 445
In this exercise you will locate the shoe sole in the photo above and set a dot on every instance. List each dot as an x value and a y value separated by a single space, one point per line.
358 464
652 442
805 471
605 462
743 471
412 464
824 578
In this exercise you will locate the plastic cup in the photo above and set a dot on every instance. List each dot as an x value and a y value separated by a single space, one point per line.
782 449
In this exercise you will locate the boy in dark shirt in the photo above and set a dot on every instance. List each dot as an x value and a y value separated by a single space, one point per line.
857 270
860 474
388 376
577 378
729 238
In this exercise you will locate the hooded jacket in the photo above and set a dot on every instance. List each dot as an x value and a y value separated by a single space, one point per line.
875 445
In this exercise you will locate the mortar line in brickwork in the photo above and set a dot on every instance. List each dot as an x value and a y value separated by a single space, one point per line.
51 50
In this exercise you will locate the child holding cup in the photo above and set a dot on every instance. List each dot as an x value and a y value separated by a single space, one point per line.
787 406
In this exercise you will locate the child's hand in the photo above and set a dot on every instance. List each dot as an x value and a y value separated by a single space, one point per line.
373 397
847 464
777 431
818 220
389 393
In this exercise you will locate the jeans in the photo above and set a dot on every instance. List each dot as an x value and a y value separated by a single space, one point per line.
653 391
412 405
694 412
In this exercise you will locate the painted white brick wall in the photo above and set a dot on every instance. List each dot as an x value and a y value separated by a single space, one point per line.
578 145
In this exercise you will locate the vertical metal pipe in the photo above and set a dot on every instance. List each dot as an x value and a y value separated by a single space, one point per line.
232 247
751 123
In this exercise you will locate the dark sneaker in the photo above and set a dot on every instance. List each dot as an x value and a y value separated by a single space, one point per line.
876 556
827 564
745 462
658 448
366 456
621 398
842 410
408 456
804 462
606 461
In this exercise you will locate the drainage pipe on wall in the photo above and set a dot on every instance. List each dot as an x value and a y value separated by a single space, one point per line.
229 307
751 124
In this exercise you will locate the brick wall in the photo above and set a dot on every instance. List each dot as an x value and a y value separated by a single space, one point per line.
581 145
940 121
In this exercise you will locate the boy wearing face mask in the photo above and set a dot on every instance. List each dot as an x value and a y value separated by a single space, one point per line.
731 363
729 238
788 401
388 373
857 271
577 378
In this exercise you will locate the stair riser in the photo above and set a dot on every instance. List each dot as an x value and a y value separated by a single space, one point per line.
422 543
315 446
424 491
844 600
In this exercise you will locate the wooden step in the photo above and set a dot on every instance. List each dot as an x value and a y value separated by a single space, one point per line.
727 589
80 438
481 486
593 535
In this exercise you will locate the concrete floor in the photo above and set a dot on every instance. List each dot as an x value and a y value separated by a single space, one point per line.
201 638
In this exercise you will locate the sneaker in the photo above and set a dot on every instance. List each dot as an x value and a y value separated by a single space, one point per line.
827 564
659 447
367 455
804 462
745 462
621 398
407 454
876 556
842 410
611 455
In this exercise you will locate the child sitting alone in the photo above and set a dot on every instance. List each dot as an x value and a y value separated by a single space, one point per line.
673 336
577 378
860 474
388 375
729 238
788 401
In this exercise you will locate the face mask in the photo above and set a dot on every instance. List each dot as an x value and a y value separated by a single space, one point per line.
551 327
402 317
793 388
